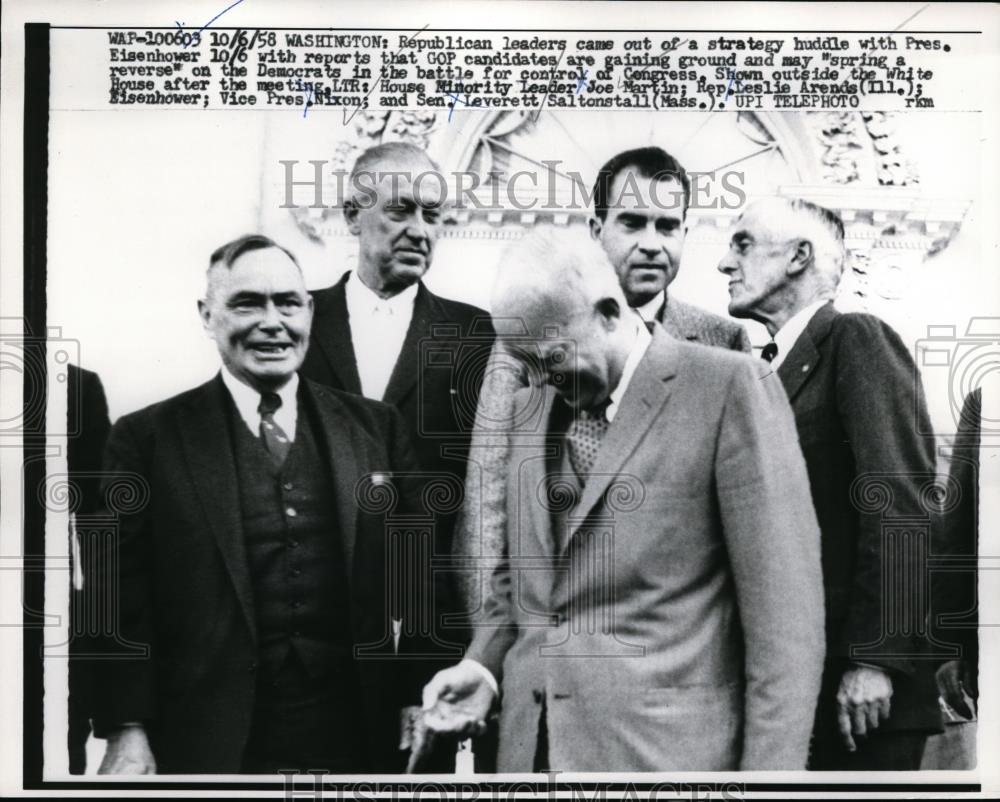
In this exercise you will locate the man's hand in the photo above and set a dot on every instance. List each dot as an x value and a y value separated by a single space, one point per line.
862 702
457 701
954 680
128 752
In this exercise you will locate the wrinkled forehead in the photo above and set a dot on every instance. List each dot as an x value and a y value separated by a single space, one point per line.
404 178
266 271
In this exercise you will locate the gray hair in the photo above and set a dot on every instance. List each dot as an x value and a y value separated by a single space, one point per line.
559 272
825 230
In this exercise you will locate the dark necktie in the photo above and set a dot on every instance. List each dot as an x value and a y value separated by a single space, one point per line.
271 434
583 438
769 352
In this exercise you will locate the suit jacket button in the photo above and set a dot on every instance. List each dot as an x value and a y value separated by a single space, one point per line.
538 696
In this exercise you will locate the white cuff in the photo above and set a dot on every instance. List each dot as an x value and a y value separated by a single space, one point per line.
487 674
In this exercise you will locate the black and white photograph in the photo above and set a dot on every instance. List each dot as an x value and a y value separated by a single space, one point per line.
547 399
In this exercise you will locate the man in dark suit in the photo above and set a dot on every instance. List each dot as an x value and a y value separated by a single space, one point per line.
255 572
87 431
641 198
379 332
859 409
956 598
660 523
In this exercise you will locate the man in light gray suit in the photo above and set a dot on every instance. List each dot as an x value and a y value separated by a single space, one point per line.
659 606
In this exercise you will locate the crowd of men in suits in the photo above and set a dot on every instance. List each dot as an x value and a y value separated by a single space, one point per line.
661 553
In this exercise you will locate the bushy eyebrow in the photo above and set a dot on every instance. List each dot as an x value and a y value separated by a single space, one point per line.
250 295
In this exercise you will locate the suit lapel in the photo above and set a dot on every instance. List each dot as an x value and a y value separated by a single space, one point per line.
676 323
802 360
647 392
340 452
331 332
404 376
204 432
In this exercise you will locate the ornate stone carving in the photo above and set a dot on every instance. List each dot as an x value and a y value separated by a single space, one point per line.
894 169
841 140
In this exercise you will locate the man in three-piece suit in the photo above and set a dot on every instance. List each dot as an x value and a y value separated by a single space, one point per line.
253 575
379 332
659 523
860 411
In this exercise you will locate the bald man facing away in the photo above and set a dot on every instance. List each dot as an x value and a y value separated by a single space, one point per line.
659 524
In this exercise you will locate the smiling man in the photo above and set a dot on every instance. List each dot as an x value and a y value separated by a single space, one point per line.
249 576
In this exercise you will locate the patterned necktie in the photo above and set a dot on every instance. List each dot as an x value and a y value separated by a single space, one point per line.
583 438
271 434
769 352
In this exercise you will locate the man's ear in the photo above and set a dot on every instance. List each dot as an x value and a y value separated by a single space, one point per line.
351 217
595 227
205 313
802 257
610 310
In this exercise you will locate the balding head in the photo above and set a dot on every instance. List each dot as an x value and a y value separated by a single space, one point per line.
785 253
394 208
573 326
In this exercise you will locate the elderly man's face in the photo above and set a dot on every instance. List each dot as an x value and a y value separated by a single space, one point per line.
397 223
758 259
643 233
575 356
259 314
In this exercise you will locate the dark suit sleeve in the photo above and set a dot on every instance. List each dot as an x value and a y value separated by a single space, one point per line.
956 538
423 632
882 410
772 538
126 691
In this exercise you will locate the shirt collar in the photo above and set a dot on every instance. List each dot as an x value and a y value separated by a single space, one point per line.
649 310
361 297
247 399
789 334
642 339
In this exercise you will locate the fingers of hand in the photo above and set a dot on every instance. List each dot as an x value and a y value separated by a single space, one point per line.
844 724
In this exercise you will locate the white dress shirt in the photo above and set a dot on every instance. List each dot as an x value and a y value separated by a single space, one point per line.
247 401
642 340
649 310
788 334
378 329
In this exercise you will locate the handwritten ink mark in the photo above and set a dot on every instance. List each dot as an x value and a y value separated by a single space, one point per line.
309 100
581 82
381 75
455 99
227 8
552 74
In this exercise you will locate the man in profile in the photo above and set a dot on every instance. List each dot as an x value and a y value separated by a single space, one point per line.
859 410
660 521
254 576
